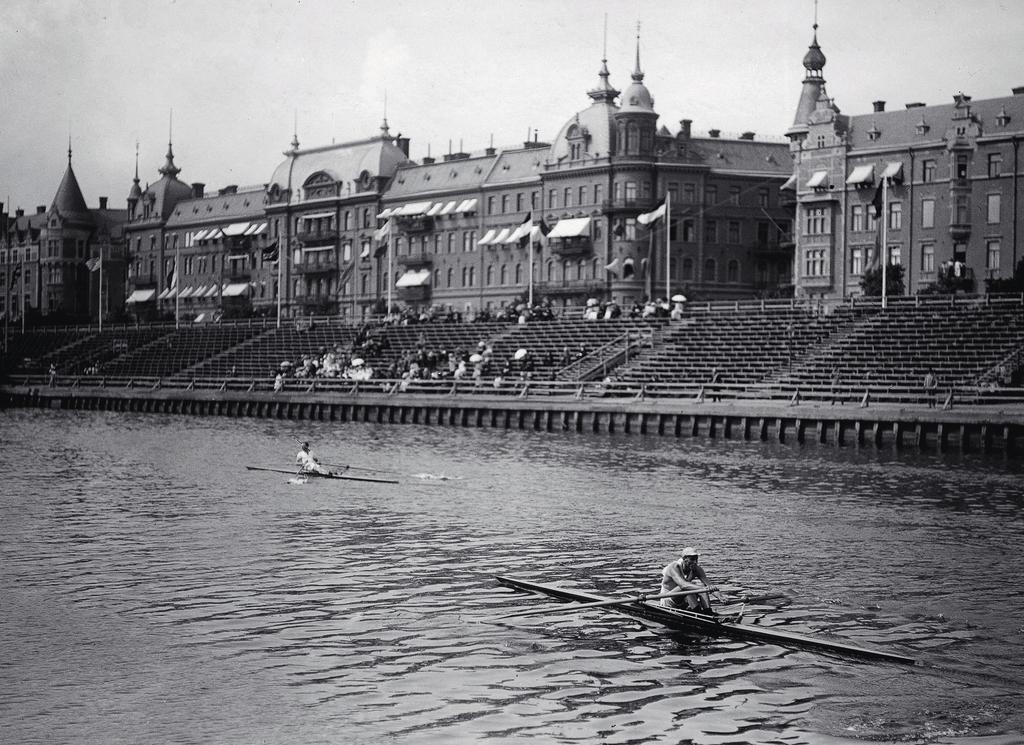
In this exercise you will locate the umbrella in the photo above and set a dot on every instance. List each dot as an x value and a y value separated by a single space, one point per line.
357 362
679 298
591 302
285 365
521 354
476 358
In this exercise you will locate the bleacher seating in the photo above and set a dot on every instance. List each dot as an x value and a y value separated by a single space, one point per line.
179 350
30 352
262 355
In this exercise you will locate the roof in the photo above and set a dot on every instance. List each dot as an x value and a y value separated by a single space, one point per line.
166 193
110 222
517 165
444 177
18 226
345 163
597 121
218 208
69 201
741 155
899 126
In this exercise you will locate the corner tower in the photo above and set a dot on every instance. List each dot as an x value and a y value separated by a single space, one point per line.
813 88
636 118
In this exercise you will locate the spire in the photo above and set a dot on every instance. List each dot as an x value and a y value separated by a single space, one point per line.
69 200
385 133
604 92
814 85
295 136
638 74
814 60
169 169
69 150
136 190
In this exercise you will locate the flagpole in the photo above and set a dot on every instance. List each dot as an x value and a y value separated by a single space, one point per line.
529 239
177 285
24 309
100 301
388 279
885 236
668 244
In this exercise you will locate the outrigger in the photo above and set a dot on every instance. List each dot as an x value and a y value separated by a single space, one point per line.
731 626
315 475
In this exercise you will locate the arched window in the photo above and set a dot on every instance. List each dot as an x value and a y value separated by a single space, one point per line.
348 220
687 269
366 218
504 275
472 276
551 271
709 270
364 284
733 271
519 274
565 271
490 275
580 269
465 276
632 139
451 277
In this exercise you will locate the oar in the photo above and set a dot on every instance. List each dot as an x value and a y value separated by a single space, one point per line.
604 603
358 468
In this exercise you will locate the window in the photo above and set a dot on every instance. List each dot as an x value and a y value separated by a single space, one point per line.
490 275
710 269
857 261
992 255
762 197
995 164
673 191
552 197
821 141
450 279
994 204
630 233
710 195
734 195
567 196
733 271
961 168
465 276
504 275
689 231
582 196
598 193
687 269
927 258
451 243
519 274
710 231
490 205
689 193
927 213
895 215
814 262
762 232
927 170
472 276
519 202
505 201
962 214
734 231
857 217
895 254
630 192
816 222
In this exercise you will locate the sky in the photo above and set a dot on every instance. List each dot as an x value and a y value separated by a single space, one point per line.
232 80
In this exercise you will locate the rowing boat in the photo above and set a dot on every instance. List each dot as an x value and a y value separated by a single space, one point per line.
315 475
730 626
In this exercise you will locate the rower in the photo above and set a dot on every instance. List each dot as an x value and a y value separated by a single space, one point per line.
307 463
685 574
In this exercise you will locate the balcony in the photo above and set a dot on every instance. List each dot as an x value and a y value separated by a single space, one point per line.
561 289
417 294
960 231
630 204
238 275
568 248
317 237
415 260
415 223
318 263
781 246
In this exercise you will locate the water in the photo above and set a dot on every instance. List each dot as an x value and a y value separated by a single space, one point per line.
154 591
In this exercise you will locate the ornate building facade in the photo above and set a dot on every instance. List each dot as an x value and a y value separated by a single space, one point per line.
951 176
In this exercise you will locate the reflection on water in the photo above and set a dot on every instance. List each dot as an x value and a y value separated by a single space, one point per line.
155 591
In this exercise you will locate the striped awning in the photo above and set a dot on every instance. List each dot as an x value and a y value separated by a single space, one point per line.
488 237
862 175
141 296
236 228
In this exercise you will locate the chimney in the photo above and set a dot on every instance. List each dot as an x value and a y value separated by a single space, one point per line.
747 136
489 151
427 160
685 125
878 105
916 105
403 144
197 190
1018 90
19 212
41 209
229 189
714 133
103 203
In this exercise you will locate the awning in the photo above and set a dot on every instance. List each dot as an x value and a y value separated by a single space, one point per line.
449 208
414 278
416 208
141 296
468 205
214 234
200 291
570 227
862 175
818 180
893 171
537 235
519 233
438 206
790 184
386 212
236 289
165 294
187 292
256 228
236 228
201 234
316 216
488 237
313 249
502 236
214 289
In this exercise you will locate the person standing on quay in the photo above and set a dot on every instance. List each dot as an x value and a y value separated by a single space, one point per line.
931 385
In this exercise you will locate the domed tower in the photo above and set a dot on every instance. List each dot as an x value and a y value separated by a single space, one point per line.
636 119
590 133
813 89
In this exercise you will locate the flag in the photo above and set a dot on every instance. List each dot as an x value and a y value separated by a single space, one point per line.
269 253
522 233
172 277
876 201
94 263
383 237
613 267
15 275
539 233
648 217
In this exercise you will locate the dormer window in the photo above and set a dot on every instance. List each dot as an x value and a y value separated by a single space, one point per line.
1002 118
922 127
821 141
874 133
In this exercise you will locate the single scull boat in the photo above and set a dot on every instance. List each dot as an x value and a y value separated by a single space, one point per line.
315 475
731 626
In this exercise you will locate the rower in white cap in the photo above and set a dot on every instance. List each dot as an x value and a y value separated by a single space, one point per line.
686 574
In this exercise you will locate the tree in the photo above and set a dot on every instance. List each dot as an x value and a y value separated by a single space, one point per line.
1010 284
871 281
